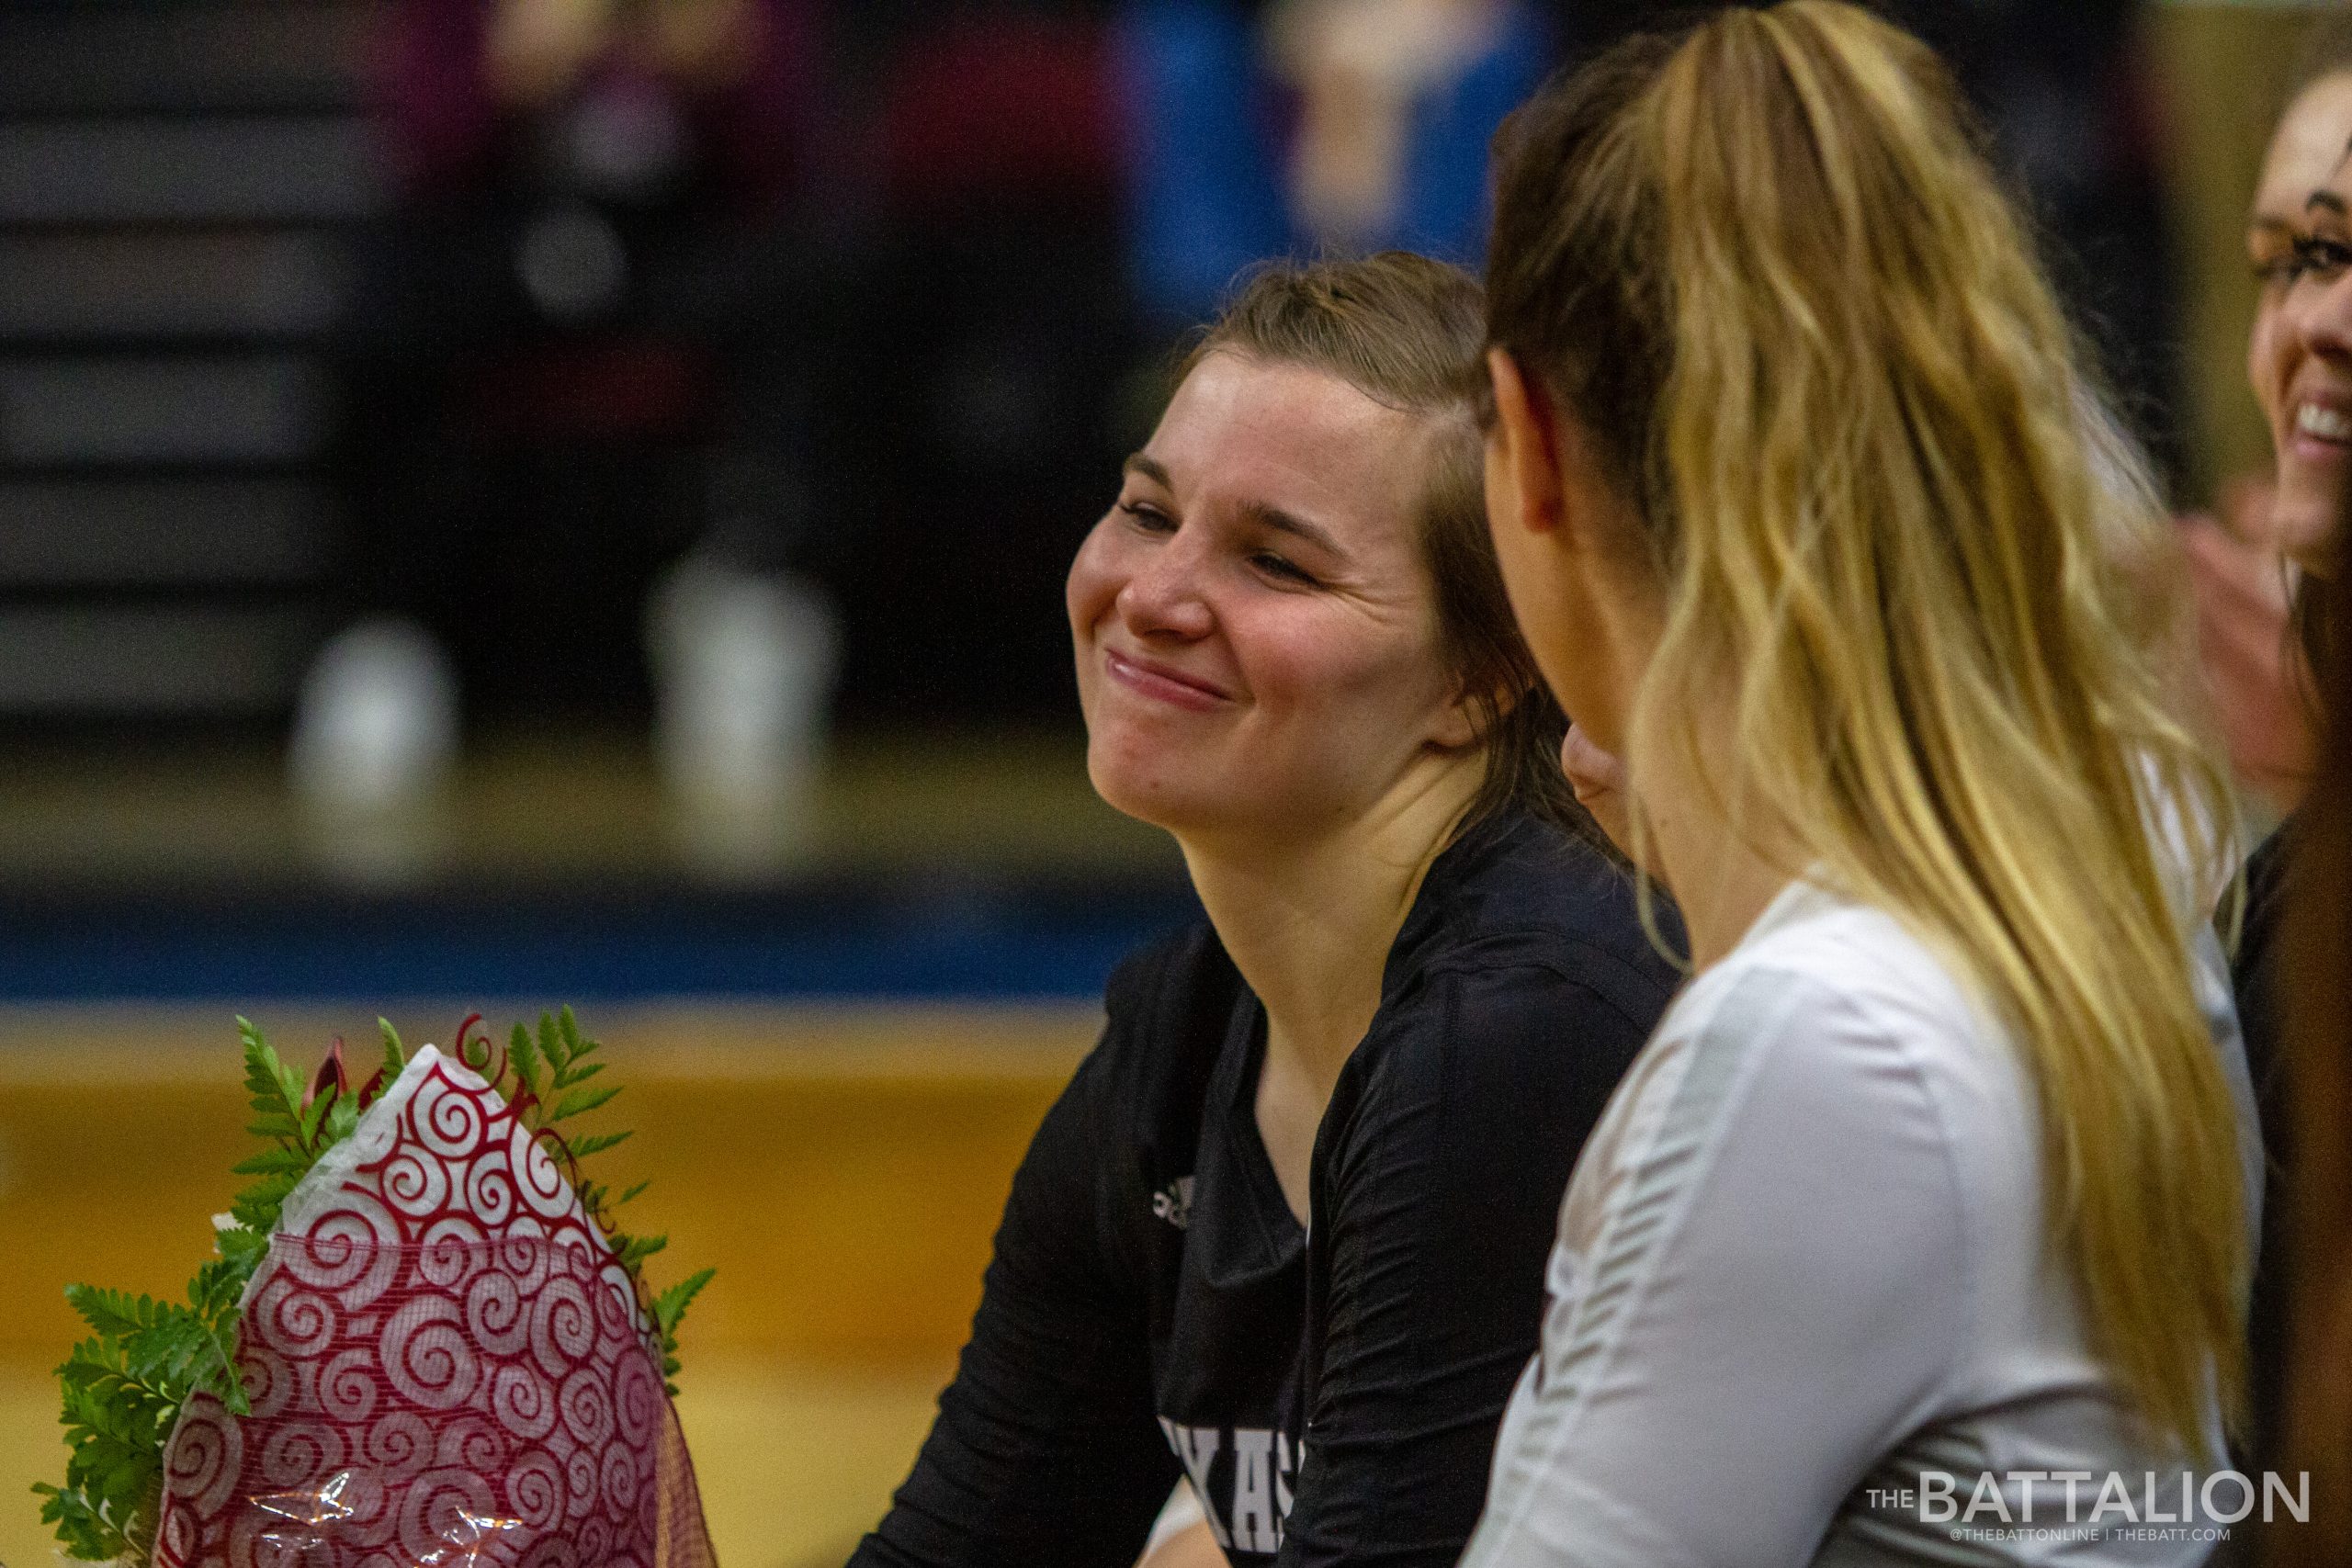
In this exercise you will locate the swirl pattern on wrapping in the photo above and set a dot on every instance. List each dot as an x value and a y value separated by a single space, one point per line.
295 1323
497 1315
207 1454
427 1356
638 1400
352 1248
469 1442
298 1454
563 1325
585 1403
616 1312
620 1480
535 1488
416 1180
538 1177
446 1508
524 1252
489 1188
452 1249
399 1444
447 1120
444 1361
346 1389
522 1400
268 1381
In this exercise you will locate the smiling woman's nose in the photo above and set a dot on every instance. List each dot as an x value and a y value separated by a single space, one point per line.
2322 317
1162 596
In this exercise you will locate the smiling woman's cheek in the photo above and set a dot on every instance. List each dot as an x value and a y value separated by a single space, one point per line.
1341 704
1091 585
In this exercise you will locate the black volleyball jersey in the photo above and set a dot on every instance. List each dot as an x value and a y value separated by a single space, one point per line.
1154 1309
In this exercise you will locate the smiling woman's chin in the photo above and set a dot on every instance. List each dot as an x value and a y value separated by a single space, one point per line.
1136 781
2304 512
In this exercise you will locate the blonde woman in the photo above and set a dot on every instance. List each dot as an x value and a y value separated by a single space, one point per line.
1921 1226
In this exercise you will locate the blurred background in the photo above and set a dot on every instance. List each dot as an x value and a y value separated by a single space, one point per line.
514 502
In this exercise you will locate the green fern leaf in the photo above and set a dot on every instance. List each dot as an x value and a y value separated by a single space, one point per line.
552 1046
580 1102
395 1057
525 1055
256 1208
343 1119
272 1162
635 1249
578 1074
595 1143
669 1306
243 1249
112 1313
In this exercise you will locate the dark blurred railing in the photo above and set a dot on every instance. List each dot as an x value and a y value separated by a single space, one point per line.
173 179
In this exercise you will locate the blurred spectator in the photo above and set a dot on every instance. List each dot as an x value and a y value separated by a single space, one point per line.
1305 125
975 415
571 354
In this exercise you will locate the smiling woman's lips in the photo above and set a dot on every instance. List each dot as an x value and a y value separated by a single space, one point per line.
1160 683
2322 425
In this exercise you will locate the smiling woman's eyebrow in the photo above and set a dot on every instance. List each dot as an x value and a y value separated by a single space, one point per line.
1263 513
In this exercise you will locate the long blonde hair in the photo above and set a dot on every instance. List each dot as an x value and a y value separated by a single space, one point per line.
1764 264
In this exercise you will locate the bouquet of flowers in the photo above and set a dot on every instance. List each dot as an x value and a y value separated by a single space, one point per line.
423 1340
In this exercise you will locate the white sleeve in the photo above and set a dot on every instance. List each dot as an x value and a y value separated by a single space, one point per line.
1758 1292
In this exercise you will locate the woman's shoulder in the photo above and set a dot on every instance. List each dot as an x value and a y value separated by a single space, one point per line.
1179 981
1168 1010
1521 906
1523 979
1830 1002
1834 964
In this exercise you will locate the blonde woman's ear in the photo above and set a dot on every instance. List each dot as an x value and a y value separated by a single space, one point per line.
1522 457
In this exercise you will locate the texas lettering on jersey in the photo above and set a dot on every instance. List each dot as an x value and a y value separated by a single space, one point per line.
1256 1466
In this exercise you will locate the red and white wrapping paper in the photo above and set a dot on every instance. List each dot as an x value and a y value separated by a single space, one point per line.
445 1365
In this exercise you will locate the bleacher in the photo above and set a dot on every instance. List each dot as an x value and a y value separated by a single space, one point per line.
174 181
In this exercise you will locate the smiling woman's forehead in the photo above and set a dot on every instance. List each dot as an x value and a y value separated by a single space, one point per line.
1241 429
2307 150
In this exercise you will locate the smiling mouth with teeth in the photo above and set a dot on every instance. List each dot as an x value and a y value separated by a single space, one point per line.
2327 423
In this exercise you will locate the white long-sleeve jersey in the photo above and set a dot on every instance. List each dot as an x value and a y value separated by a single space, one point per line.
1801 1307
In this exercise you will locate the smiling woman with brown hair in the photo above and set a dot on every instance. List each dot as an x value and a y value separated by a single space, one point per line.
1298 1198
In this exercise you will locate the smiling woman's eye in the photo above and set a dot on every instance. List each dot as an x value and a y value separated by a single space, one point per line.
1143 514
1287 571
2324 260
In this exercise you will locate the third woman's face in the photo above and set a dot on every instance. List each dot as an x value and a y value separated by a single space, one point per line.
2299 354
1256 641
